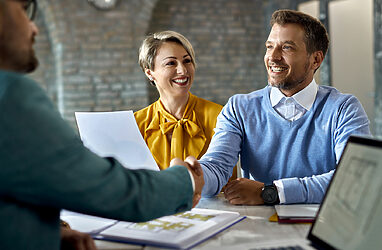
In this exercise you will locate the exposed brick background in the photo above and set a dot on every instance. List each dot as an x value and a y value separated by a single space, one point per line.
89 57
228 38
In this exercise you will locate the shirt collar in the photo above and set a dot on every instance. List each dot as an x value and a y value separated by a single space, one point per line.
304 97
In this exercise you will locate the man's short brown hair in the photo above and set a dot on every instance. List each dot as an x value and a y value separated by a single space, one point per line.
316 36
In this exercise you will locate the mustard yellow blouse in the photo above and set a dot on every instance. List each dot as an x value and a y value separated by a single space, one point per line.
191 135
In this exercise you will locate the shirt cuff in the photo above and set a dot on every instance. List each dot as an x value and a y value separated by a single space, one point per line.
280 189
192 180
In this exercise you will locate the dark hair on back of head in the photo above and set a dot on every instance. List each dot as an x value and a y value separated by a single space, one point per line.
316 36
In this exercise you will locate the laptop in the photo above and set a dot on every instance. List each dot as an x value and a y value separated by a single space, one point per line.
350 216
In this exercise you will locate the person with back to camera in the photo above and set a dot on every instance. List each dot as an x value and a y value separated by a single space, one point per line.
179 123
44 166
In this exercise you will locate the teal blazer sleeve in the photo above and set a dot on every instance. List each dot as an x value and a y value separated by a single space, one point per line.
45 167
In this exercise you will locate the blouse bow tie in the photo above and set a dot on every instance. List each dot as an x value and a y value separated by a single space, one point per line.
187 137
181 146
185 125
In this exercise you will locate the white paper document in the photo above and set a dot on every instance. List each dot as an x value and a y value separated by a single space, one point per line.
86 223
115 134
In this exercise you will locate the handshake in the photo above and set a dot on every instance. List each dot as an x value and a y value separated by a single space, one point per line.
192 164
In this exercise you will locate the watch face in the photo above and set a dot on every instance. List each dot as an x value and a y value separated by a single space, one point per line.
269 195
104 4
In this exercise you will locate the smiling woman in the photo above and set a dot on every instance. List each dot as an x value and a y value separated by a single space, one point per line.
179 124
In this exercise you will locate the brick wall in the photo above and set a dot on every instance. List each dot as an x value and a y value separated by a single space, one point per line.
89 57
228 38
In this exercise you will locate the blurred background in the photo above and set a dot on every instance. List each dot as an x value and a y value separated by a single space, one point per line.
88 54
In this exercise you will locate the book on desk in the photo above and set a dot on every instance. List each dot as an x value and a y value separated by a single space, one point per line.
178 231
296 213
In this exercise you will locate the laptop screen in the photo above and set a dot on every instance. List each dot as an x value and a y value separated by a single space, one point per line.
350 216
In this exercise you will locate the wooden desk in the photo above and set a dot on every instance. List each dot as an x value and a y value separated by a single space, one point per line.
246 234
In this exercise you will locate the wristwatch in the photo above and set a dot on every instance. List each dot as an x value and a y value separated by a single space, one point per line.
270 195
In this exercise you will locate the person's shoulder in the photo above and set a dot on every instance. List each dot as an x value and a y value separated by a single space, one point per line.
11 75
18 87
334 95
206 111
145 111
208 104
144 116
11 79
256 95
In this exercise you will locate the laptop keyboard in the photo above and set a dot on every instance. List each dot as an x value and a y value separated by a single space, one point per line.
280 248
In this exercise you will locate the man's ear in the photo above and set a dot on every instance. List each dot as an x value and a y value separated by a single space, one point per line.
318 58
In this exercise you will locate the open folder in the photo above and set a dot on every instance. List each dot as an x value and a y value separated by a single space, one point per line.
179 231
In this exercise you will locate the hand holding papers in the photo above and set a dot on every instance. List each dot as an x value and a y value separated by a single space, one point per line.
115 134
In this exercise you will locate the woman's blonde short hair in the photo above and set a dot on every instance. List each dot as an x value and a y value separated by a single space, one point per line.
151 44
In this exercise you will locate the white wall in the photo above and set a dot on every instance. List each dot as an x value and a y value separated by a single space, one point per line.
351 30
312 8
351 38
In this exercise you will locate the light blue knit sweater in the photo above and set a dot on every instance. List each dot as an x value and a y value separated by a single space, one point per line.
302 153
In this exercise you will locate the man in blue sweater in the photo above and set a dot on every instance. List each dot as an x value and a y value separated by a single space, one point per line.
289 135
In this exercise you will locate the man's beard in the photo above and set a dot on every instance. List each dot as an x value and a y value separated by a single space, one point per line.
32 63
26 63
291 82
16 60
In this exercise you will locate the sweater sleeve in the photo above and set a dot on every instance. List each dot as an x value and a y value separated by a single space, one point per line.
351 119
223 151
43 163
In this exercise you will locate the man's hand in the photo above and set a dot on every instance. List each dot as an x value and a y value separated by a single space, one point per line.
74 240
243 191
194 167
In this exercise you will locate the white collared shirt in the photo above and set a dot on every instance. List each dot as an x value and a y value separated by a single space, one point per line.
292 108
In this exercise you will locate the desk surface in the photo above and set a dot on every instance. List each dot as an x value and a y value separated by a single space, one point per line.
248 233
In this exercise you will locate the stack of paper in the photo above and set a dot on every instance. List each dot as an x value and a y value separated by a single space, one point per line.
296 213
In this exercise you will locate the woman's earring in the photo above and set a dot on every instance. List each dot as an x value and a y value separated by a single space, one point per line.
151 80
